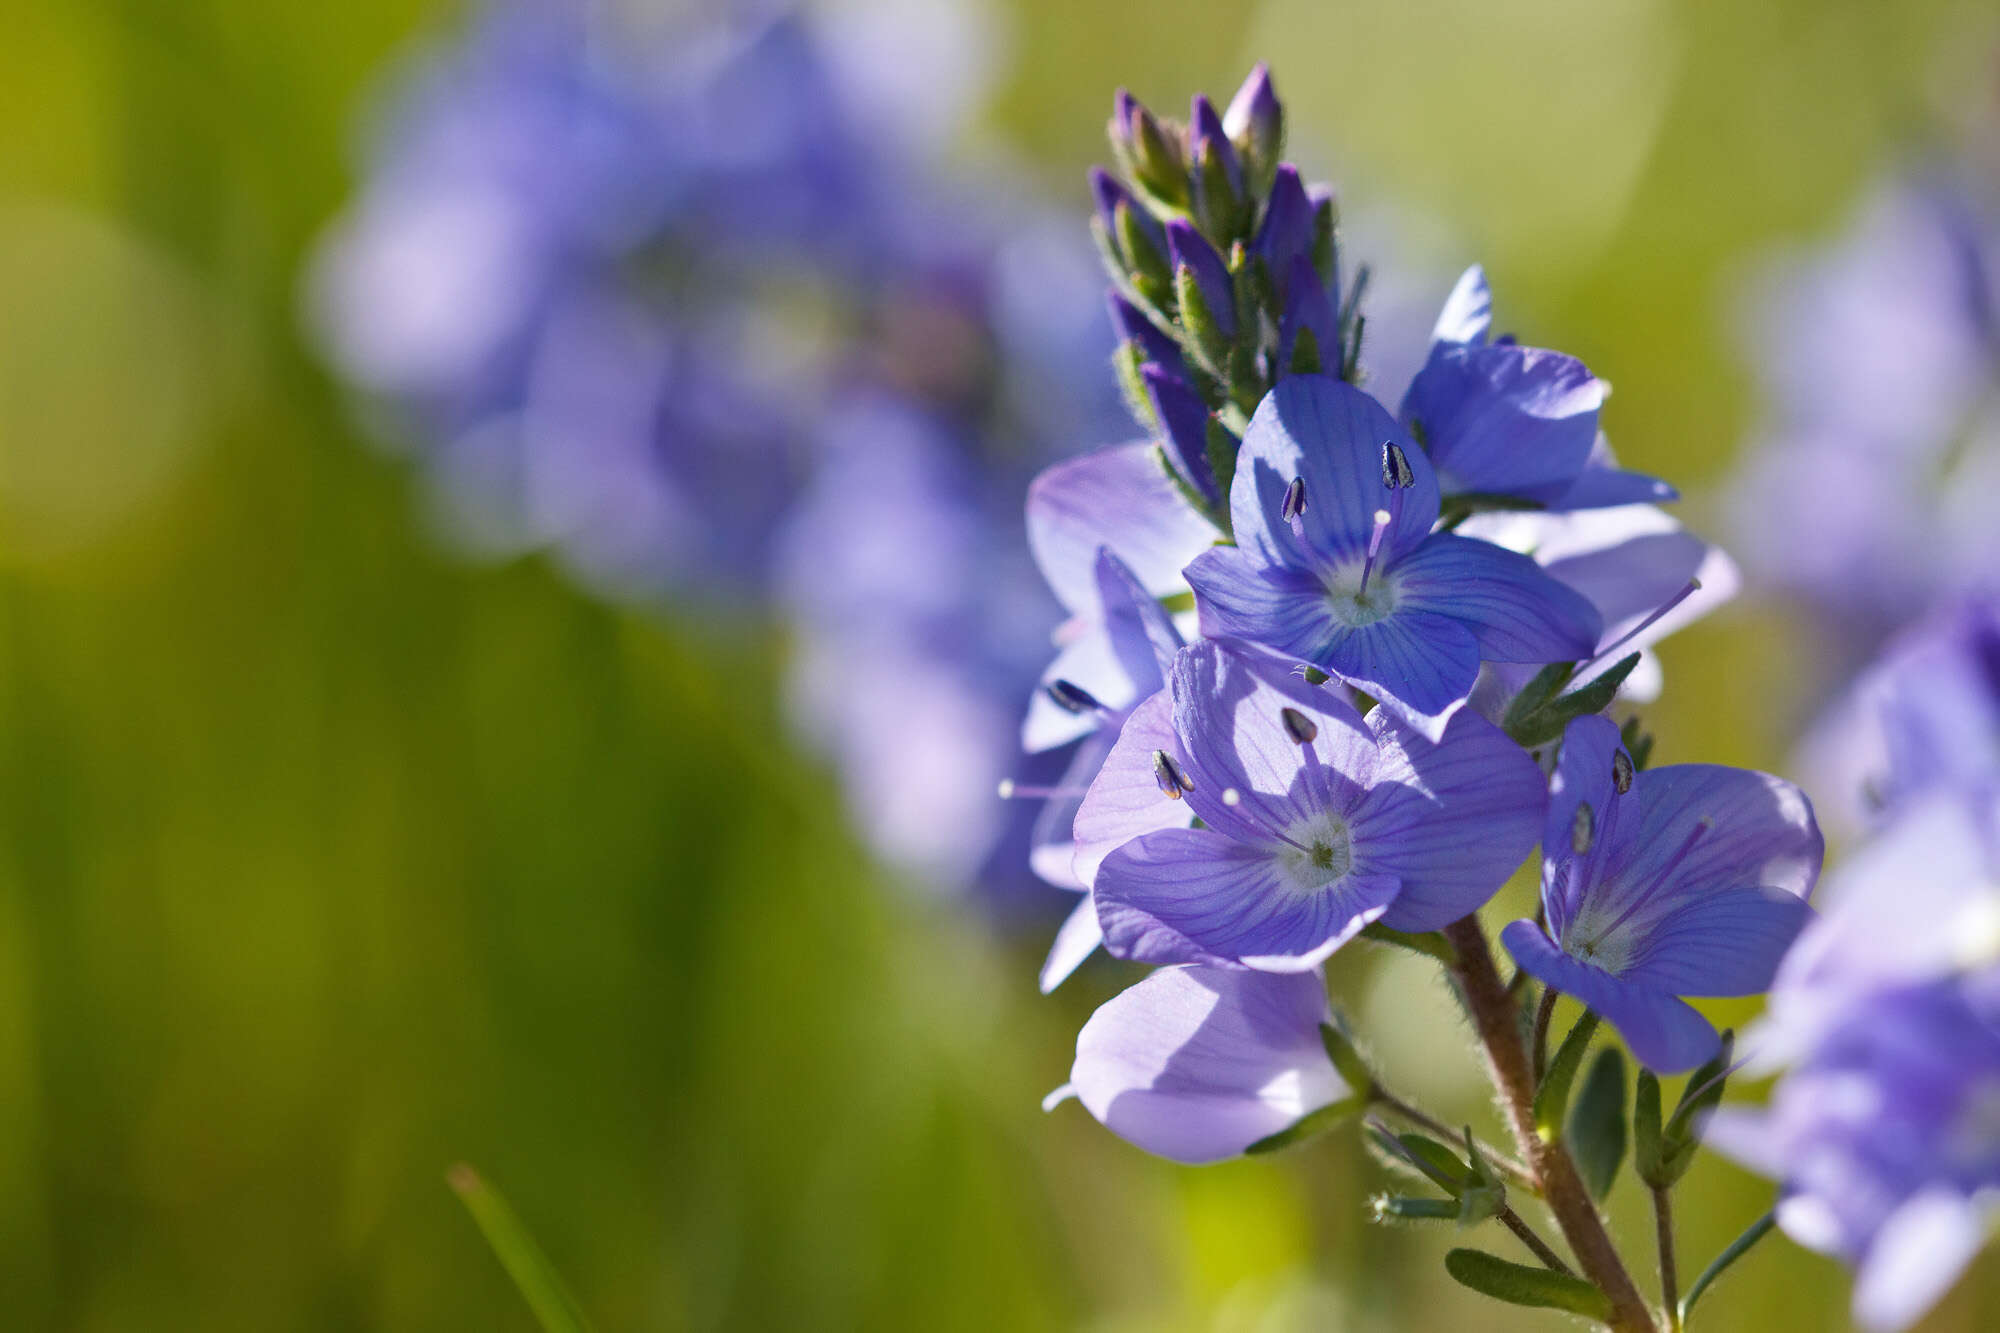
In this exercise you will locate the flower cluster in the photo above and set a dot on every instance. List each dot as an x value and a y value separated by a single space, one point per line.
1338 663
693 306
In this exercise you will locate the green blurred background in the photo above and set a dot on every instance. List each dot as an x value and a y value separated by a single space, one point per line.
327 860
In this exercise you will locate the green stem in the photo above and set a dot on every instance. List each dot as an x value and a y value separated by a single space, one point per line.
1526 1234
555 1309
1670 1282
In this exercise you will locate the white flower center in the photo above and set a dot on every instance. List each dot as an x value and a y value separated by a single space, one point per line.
1319 851
1354 605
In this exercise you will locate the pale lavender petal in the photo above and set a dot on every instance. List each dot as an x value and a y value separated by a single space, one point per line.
1468 311
1450 820
1663 1033
1759 830
1124 800
1282 608
1505 419
1088 660
1121 498
1916 1258
1143 637
1518 612
1422 661
1609 487
1196 1064
1075 941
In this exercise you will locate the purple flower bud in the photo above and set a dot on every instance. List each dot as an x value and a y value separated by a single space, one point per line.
1206 136
1110 195
1190 250
1145 150
1155 347
1255 119
1287 233
1307 306
1184 418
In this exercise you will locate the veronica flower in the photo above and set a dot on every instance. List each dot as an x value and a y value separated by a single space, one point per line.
1198 1063
1336 564
1686 880
1924 716
1316 820
1886 1140
1500 419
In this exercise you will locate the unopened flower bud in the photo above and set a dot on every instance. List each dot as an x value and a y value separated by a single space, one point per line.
1255 122
1147 152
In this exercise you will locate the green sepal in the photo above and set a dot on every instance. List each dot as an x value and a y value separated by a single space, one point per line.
1350 363
1125 363
1305 353
1311 1125
1347 1061
1518 1284
1325 242
1142 258
1663 1152
1541 725
1195 499
1485 1194
1648 1152
1597 1122
1220 211
1205 337
1431 944
1537 693
1552 1097
1402 1208
1221 445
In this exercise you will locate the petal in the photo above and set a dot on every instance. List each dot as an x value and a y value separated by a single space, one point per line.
1052 840
1242 597
1076 940
1726 943
1331 434
1196 1064
1584 776
1229 901
1124 800
1519 613
1663 1033
1760 831
1606 487
1468 311
1451 820
1143 637
1121 498
1229 718
1505 419
1420 661
1916 1257
1087 660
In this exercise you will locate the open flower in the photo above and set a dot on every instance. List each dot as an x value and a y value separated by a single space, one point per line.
1336 563
1198 1063
1686 880
1500 419
1317 821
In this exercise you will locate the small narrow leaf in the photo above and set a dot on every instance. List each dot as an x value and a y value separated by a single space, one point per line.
1552 1098
534 1276
1431 944
1436 1161
1518 1284
1739 1247
1346 1060
1597 1122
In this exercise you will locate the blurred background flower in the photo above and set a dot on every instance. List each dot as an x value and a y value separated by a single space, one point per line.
331 857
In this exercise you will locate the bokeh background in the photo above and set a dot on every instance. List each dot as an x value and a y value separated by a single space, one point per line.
329 857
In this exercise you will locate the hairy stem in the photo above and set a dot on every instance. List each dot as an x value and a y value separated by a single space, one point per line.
1550 1259
1444 1133
1670 1283
1507 1056
1545 1013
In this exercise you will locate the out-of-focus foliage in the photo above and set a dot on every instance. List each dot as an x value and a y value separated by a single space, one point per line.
326 861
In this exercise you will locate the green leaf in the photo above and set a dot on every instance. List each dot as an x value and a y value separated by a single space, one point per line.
1552 1098
1536 694
1597 1122
1739 1247
535 1277
1518 1284
1312 1125
1701 1095
1648 1153
1544 724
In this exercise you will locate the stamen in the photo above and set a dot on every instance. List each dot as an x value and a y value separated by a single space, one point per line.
1582 829
1011 790
1621 771
1072 697
1693 587
1295 500
1396 474
1174 783
1382 520
1302 729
